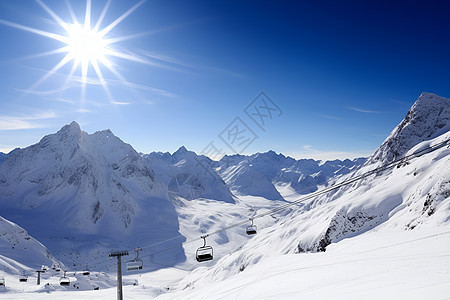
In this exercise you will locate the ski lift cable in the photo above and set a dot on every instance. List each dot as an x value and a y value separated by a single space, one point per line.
313 195
359 177
162 242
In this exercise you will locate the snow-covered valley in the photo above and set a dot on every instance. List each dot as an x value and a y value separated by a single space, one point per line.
71 199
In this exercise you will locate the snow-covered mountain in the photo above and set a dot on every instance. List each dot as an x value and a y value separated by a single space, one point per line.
2 157
85 188
188 176
428 118
265 174
414 196
90 193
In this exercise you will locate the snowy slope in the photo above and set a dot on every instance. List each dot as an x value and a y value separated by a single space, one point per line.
386 236
376 265
412 197
19 251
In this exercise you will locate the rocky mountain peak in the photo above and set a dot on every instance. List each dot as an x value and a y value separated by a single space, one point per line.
429 117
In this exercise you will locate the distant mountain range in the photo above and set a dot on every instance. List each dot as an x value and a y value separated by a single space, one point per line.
412 196
73 188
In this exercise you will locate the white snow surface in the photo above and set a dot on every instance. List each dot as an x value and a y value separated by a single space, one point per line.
386 236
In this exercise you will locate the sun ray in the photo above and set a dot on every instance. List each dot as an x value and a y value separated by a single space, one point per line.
69 76
108 28
58 66
53 14
87 16
102 16
84 70
102 81
72 14
130 57
141 60
51 35
42 54
88 47
141 34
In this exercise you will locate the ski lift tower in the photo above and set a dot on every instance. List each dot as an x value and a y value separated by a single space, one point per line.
39 276
119 255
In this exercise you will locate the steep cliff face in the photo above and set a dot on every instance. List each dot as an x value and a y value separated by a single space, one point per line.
428 118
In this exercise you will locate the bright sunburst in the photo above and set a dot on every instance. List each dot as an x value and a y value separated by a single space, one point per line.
84 45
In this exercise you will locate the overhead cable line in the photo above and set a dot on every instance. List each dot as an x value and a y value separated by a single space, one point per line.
310 196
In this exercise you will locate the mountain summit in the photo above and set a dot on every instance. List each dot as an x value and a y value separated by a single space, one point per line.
74 186
429 117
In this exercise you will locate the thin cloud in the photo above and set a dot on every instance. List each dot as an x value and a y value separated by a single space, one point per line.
366 111
83 110
171 60
120 103
309 152
25 122
138 86
330 117
402 103
48 92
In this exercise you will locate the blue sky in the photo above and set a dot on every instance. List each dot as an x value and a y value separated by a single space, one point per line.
340 75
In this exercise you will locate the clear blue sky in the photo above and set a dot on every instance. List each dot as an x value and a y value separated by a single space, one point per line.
343 73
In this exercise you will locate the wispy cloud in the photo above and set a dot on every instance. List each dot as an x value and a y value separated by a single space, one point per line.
366 111
83 110
25 122
308 151
143 87
48 92
404 103
120 103
171 60
330 117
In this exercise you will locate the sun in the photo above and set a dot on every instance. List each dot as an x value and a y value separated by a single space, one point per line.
86 46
